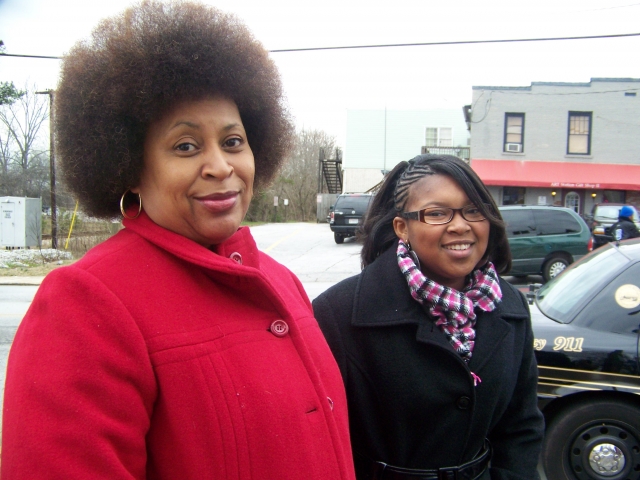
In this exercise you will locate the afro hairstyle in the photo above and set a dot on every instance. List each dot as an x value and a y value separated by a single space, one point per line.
137 66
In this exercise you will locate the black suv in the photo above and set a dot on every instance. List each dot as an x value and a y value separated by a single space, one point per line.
347 213
544 240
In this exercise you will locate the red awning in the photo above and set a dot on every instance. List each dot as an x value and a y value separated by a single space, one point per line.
520 173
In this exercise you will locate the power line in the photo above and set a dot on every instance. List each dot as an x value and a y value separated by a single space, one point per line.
462 42
396 45
28 56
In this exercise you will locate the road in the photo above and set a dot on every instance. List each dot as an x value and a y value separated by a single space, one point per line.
310 252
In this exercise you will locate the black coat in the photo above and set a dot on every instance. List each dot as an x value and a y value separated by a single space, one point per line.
627 228
412 401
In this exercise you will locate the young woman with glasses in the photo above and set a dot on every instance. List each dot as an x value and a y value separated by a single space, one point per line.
435 349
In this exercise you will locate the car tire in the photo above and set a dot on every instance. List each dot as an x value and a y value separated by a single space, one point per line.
591 435
553 267
338 238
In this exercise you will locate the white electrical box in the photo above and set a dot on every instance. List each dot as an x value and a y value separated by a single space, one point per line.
20 222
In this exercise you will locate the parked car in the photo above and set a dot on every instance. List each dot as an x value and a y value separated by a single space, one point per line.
544 240
586 328
347 214
602 217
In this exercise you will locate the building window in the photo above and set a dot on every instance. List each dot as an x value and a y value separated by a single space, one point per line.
579 139
513 195
614 196
513 132
572 200
439 137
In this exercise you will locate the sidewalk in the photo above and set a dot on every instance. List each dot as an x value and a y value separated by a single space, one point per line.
20 280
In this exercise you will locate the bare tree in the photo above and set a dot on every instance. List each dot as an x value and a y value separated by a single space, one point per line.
22 165
300 172
297 181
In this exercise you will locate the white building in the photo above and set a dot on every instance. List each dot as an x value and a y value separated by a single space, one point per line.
377 140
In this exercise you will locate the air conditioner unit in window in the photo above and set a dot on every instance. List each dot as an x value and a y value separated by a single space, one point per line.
513 147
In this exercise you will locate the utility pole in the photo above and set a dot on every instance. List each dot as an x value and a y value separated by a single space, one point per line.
52 172
320 160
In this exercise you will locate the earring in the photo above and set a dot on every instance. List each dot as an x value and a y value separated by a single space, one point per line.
413 255
122 210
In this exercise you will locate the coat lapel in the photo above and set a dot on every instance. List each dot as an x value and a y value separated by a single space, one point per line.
493 327
381 295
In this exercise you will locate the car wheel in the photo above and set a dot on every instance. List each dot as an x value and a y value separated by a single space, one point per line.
338 238
593 440
553 267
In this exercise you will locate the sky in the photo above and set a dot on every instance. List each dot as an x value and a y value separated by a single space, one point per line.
321 86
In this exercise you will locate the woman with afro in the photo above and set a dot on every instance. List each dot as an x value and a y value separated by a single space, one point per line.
175 349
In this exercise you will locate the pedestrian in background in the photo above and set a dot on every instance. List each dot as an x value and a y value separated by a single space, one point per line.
175 349
625 228
436 350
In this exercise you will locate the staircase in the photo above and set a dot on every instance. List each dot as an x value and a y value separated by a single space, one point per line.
332 173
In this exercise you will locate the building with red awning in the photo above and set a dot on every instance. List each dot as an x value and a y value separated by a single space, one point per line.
569 144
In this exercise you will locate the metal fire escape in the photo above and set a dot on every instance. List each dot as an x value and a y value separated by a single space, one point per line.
330 173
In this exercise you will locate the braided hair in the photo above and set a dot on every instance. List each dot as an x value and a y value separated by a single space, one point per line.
377 233
413 172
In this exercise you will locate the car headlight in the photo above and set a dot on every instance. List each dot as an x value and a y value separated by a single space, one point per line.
598 230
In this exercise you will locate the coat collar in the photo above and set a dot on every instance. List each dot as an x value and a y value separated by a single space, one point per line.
382 299
217 258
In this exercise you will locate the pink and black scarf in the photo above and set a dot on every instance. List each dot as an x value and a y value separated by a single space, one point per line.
453 310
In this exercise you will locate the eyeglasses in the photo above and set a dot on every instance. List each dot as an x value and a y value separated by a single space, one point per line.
442 215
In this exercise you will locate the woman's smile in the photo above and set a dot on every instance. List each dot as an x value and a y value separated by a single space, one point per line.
458 246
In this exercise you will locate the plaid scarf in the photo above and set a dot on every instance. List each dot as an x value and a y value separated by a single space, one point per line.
453 310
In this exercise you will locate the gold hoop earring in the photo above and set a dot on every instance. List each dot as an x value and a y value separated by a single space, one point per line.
122 210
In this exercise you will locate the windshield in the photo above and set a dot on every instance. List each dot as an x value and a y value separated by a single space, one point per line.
611 212
565 295
355 202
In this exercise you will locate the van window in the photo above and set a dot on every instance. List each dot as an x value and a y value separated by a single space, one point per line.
555 222
353 202
520 223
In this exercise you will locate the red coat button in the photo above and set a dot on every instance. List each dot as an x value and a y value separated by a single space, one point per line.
236 257
279 328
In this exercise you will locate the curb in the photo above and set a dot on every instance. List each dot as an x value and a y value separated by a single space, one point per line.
22 281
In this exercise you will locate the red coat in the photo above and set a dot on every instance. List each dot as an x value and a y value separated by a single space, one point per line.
152 357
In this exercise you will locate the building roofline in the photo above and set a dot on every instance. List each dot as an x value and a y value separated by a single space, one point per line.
560 84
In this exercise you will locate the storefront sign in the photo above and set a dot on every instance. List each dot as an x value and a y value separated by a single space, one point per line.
574 185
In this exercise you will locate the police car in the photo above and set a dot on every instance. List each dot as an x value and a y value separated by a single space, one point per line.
586 324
